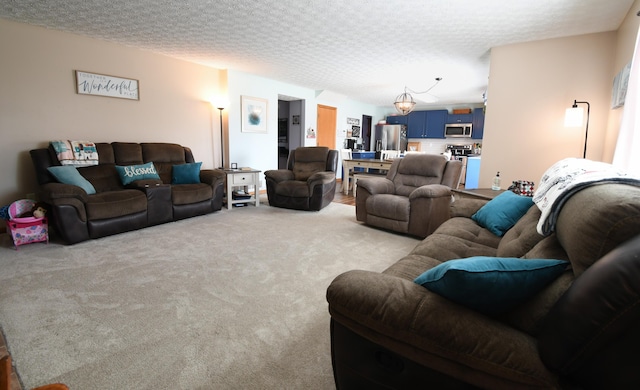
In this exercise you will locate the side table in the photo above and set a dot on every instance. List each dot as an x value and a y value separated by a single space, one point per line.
477 193
242 178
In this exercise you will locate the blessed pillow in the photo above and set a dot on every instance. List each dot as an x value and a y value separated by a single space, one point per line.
130 173
186 173
491 285
68 174
502 212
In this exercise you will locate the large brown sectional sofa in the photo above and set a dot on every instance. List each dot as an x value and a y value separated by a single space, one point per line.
114 208
581 331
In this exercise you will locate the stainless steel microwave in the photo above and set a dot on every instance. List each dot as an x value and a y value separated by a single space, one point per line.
458 130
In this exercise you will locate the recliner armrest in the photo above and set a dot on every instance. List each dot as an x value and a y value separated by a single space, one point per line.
279 175
431 191
377 185
320 178
412 321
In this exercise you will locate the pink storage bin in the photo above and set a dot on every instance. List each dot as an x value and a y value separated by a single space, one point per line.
26 230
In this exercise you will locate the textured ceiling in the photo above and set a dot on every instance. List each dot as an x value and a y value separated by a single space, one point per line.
368 50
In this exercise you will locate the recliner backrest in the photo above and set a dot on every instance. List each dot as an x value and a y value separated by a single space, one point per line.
416 170
306 161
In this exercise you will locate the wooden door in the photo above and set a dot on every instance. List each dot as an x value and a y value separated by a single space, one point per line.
326 134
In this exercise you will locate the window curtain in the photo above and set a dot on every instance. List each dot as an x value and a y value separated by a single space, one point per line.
627 152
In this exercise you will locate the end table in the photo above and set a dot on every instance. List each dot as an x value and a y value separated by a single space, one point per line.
242 178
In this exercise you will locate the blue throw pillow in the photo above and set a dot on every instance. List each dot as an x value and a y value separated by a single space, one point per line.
68 174
130 173
491 285
186 173
502 212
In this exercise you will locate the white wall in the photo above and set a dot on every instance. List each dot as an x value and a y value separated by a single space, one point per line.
531 85
38 101
259 151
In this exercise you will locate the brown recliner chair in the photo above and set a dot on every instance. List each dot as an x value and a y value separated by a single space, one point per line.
308 183
413 198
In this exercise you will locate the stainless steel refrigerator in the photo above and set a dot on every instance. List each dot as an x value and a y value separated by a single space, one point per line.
389 137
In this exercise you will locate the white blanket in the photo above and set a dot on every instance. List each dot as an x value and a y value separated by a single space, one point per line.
565 178
76 153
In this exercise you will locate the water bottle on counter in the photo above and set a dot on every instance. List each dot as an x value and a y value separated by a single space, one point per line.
496 182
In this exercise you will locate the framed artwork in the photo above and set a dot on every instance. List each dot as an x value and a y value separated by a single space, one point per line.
104 85
254 115
620 85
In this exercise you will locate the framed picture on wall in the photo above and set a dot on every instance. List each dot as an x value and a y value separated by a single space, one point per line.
254 114
105 85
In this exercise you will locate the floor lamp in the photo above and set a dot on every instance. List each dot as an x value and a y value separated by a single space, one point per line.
573 118
221 139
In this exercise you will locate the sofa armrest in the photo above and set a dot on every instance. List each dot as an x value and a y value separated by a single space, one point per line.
213 177
279 175
377 185
589 333
52 191
408 319
466 207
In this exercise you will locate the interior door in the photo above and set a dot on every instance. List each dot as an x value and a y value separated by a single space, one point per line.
326 134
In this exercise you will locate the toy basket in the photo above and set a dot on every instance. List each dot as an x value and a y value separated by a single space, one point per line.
26 230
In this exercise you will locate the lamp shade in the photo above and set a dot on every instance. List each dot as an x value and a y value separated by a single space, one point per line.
573 117
404 103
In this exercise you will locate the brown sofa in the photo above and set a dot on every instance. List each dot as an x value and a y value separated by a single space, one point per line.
580 331
414 196
115 208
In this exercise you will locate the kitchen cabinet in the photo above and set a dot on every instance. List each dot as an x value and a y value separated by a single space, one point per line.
397 120
426 124
478 123
459 118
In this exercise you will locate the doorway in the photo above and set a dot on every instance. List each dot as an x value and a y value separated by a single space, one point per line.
290 127
366 132
326 135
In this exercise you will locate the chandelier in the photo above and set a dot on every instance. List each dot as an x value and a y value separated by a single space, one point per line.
404 102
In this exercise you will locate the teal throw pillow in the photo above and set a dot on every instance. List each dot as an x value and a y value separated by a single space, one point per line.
502 212
130 173
491 285
186 173
68 174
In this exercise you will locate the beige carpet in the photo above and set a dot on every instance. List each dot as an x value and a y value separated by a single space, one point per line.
231 300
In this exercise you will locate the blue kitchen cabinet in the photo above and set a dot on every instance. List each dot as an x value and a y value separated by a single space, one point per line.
459 118
426 124
435 123
397 120
478 123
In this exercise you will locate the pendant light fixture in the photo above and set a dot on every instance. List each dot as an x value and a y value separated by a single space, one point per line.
404 102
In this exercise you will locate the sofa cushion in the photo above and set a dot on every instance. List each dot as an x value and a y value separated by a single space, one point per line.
113 204
190 193
129 174
523 236
502 212
186 173
68 174
491 285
